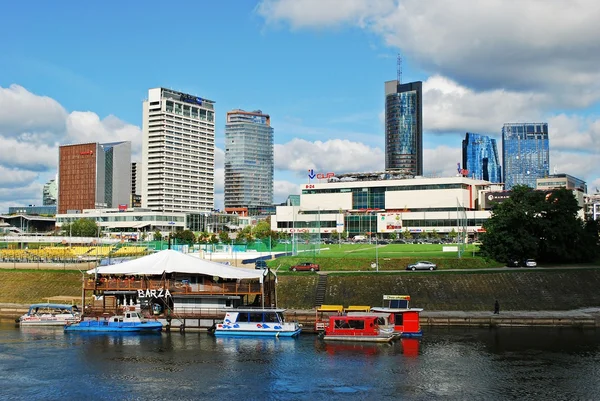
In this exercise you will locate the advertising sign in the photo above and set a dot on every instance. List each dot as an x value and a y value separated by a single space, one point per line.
389 222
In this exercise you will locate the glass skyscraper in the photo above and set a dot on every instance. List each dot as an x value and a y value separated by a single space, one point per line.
404 128
480 157
249 161
525 154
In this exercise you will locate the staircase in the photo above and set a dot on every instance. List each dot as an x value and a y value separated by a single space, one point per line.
321 290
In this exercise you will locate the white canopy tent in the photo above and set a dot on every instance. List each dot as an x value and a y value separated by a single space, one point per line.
169 261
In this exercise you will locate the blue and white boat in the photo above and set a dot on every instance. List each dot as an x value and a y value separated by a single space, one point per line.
48 314
256 322
129 322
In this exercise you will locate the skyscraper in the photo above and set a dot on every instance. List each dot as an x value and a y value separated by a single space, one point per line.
50 193
404 127
136 184
525 154
93 175
248 159
480 157
178 152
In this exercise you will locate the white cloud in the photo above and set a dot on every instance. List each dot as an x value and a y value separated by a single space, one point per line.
11 177
320 13
494 44
86 126
283 189
22 111
450 107
335 155
573 132
441 161
31 129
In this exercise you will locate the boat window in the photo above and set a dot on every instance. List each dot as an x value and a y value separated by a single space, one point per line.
380 321
271 317
256 317
356 324
128 315
242 317
398 319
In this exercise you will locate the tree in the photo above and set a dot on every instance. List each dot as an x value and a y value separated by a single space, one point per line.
406 234
434 234
452 234
245 235
81 228
224 236
157 235
535 224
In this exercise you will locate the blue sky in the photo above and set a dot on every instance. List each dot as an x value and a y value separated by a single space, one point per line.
72 72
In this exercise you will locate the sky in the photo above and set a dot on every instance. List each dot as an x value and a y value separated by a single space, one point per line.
75 72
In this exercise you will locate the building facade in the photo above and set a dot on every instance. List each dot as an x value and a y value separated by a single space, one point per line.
136 185
386 206
555 181
117 170
50 193
404 128
249 160
93 175
178 148
480 157
525 154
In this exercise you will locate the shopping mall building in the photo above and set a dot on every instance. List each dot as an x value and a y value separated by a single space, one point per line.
364 203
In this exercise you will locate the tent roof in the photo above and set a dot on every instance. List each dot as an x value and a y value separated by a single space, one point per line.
170 261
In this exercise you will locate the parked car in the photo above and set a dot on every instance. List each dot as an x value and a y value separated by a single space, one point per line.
529 263
422 265
305 266
260 264
512 263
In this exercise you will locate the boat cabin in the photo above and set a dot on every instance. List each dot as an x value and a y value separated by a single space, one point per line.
402 317
348 325
323 313
255 316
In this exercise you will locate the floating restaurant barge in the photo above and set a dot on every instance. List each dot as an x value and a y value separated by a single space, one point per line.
176 288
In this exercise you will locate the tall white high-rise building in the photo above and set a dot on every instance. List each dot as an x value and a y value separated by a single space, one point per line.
178 149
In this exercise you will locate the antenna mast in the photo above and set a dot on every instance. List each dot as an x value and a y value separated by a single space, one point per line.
399 69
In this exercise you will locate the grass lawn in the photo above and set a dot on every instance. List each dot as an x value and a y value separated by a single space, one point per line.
359 257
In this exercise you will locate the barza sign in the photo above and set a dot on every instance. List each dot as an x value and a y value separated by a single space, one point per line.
161 293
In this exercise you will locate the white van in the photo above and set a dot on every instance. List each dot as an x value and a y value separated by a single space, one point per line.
359 238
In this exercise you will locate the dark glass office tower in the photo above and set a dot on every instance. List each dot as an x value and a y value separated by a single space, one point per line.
480 157
525 154
404 127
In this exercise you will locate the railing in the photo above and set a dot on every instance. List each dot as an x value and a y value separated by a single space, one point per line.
174 286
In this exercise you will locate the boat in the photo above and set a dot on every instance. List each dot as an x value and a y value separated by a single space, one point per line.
256 322
363 327
50 314
128 322
402 317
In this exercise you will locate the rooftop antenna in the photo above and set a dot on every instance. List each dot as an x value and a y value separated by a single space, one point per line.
399 69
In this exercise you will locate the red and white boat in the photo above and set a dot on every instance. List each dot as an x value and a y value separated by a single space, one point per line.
363 327
405 320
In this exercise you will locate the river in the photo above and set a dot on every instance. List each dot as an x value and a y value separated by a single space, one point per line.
448 363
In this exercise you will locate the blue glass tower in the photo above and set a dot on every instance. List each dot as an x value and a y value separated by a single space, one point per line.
480 157
404 127
525 154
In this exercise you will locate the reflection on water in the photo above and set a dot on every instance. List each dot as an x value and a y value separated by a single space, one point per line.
45 363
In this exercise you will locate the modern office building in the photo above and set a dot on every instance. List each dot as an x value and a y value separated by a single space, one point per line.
178 148
554 181
371 203
93 175
136 184
525 154
248 160
50 193
480 158
404 128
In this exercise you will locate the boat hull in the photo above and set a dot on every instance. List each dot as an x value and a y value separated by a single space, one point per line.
370 339
50 323
256 333
114 328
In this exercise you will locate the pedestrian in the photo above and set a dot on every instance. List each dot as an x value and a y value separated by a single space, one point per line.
496 308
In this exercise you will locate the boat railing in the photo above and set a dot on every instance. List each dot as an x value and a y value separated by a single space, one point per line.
179 286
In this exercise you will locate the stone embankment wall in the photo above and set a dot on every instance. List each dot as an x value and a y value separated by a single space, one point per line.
543 289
